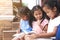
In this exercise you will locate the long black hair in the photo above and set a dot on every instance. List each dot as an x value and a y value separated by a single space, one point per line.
53 3
35 8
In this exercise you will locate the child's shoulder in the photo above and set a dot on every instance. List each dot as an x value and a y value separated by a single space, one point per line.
57 18
23 20
45 21
56 21
34 22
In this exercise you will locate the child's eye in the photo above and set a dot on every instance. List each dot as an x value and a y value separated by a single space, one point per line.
36 14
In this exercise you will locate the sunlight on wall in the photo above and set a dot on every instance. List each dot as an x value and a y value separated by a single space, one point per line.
16 1
29 3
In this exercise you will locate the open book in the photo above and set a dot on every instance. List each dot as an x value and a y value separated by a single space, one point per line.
18 34
30 32
22 33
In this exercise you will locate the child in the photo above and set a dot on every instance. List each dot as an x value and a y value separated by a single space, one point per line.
51 9
24 27
39 20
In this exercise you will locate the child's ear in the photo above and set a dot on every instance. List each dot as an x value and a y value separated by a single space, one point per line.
54 9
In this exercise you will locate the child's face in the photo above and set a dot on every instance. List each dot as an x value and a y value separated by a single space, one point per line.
24 17
50 13
38 14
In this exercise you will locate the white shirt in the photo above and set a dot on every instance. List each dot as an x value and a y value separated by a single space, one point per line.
53 23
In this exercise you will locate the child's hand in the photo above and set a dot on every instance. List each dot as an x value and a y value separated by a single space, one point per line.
22 35
28 37
32 36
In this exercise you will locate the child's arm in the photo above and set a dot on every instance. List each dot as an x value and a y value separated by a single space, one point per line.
46 35
43 35
45 28
45 24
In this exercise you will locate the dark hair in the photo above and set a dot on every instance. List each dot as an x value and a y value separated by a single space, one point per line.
53 3
35 8
23 11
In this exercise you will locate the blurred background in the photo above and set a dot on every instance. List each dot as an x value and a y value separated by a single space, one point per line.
9 20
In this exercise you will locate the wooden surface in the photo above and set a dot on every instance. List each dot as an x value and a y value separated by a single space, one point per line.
6 7
8 34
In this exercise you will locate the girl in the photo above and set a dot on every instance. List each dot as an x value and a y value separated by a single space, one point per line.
24 27
39 21
52 10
